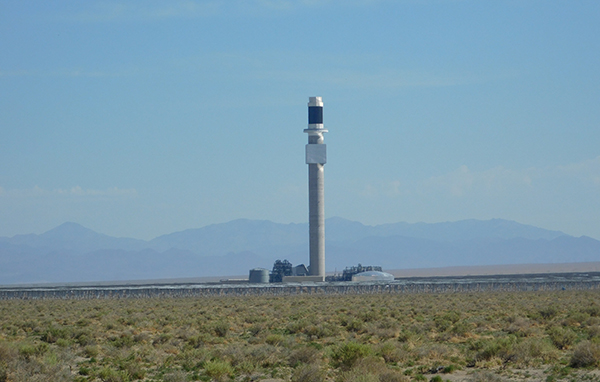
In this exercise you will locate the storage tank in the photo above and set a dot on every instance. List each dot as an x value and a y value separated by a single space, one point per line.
259 276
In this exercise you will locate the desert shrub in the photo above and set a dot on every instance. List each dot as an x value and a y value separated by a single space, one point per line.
320 331
91 351
161 339
384 328
274 339
83 370
264 355
593 310
530 351
141 338
592 321
357 376
106 374
218 370
110 326
347 354
221 328
548 312
445 321
62 343
392 376
485 376
255 329
391 352
575 318
52 334
593 331
235 354
3 372
7 353
308 373
134 370
368 316
198 340
386 322
449 369
303 355
27 350
432 351
499 347
191 359
561 337
295 326
519 326
461 328
175 376
369 365
356 326
436 378
407 335
124 340
83 338
244 368
586 354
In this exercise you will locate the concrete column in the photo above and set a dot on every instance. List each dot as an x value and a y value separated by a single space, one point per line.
316 212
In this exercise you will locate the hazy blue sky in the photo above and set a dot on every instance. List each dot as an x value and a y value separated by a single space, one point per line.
140 118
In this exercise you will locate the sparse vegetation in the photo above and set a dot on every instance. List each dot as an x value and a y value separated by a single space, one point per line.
380 338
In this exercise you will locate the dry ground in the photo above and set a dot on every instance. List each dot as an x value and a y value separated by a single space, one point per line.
508 269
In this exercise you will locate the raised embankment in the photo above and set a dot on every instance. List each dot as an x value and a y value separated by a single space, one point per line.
514 283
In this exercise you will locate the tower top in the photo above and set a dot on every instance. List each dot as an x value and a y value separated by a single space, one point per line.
315 101
315 117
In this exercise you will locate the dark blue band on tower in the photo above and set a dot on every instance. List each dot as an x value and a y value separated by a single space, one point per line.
315 115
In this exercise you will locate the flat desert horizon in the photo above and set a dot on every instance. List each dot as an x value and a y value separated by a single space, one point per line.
505 269
457 271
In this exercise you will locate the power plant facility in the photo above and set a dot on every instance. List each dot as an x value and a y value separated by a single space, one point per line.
283 271
286 278
316 157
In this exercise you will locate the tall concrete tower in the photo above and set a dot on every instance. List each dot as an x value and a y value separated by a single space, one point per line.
316 157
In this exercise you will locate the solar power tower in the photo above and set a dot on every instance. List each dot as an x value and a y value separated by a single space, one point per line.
316 157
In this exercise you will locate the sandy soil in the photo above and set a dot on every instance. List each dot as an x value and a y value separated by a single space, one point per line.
525 375
514 269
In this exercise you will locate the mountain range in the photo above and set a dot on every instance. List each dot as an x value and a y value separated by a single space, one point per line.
73 253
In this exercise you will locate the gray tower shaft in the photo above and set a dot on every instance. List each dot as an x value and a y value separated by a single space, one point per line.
316 157
316 213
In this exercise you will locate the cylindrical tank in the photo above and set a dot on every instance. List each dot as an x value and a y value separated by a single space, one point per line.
259 276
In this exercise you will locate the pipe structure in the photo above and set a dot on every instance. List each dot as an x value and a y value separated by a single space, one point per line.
316 157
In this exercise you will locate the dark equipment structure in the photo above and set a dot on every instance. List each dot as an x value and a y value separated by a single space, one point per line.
280 268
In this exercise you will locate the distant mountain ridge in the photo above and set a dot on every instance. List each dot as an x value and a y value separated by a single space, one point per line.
74 237
236 235
449 231
71 252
